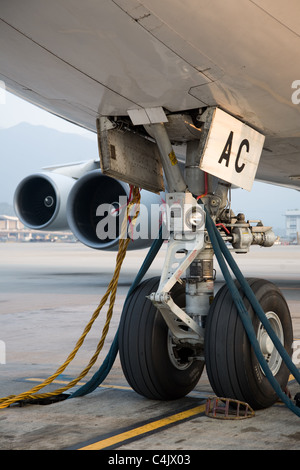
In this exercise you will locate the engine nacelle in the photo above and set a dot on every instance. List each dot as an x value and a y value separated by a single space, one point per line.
40 201
97 202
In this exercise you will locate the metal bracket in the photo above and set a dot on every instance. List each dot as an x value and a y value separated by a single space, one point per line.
176 319
129 157
180 254
185 243
186 222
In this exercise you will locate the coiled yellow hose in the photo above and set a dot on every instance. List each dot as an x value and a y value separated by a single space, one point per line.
110 292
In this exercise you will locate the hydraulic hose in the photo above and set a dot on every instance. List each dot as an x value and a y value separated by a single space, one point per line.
221 249
134 200
257 307
108 362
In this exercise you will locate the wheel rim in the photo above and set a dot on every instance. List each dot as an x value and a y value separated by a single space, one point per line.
270 353
180 356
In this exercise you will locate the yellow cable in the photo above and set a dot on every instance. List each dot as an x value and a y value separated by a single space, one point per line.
111 291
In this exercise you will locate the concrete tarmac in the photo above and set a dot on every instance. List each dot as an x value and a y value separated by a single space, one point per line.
48 293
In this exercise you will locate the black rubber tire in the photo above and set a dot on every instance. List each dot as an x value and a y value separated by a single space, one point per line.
232 367
143 348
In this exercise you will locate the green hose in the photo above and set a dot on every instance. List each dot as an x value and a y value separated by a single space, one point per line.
108 362
221 249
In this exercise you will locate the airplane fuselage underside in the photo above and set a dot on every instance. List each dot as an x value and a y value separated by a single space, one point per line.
85 60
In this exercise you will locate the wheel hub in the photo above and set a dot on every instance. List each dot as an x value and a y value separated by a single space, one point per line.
271 355
180 356
266 344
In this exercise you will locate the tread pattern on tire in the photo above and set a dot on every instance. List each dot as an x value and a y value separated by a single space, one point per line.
231 364
143 348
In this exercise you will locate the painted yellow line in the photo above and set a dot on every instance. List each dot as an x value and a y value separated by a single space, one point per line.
160 423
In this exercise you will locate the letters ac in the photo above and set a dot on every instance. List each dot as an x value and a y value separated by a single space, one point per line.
227 152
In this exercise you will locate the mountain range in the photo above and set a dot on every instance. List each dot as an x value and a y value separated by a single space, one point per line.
26 149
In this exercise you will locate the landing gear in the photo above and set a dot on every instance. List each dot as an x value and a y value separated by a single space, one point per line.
232 367
171 325
154 365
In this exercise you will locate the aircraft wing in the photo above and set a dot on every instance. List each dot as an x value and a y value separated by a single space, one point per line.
81 60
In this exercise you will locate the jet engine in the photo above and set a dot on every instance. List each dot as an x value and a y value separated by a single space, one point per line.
40 201
96 207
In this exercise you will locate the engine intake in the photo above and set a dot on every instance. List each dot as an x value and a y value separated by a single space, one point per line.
40 201
92 191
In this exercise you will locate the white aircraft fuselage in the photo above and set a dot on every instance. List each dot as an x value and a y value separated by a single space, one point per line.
82 60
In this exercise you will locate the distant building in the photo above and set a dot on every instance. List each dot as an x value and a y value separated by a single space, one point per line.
292 225
12 229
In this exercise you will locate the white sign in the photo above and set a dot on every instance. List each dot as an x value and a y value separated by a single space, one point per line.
232 150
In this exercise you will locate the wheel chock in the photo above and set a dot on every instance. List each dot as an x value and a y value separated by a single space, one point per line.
227 408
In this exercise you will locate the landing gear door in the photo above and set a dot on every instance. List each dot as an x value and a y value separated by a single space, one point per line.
232 150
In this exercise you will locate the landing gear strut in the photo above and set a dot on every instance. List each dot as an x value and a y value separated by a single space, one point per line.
172 326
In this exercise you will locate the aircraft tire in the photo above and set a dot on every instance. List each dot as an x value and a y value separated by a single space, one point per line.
144 348
231 364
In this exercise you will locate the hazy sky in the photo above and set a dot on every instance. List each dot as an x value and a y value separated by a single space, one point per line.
15 110
266 202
